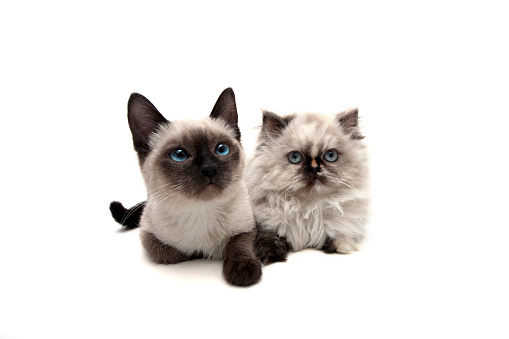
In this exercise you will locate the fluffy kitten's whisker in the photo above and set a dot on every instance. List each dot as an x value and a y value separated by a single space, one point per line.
349 182
345 184
287 190
351 178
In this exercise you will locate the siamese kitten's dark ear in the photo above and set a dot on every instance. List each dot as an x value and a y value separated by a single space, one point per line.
144 119
349 120
273 124
226 109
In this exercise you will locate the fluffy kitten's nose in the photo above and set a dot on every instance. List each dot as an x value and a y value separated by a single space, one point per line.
314 167
209 171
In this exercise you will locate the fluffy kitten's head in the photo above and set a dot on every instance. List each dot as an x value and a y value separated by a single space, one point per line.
196 159
310 154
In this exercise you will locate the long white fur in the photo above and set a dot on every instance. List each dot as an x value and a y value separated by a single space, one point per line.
338 210
188 224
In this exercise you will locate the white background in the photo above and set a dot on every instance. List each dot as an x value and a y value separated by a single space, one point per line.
431 82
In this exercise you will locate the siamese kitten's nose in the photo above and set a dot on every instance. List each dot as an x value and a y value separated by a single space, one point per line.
209 171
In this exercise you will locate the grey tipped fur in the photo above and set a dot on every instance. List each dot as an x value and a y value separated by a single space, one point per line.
315 203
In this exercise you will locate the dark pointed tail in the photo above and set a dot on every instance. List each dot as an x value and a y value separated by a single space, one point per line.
129 218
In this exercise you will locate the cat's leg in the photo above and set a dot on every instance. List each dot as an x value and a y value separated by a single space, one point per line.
162 253
241 267
128 217
269 247
328 246
343 244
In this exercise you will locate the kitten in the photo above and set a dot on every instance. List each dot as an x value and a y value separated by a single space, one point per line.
197 204
308 183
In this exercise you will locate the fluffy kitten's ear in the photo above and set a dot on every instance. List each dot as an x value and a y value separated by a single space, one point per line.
144 119
273 124
226 109
349 120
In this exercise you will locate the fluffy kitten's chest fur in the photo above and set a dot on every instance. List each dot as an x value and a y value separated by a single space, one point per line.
193 227
309 222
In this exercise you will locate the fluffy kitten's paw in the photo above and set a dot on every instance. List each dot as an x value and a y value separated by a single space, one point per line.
345 245
271 248
242 272
329 246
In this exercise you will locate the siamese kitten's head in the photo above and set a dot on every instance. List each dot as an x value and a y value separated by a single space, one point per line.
303 155
188 159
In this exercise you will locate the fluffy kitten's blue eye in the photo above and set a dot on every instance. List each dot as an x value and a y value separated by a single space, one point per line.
295 157
222 149
331 155
178 155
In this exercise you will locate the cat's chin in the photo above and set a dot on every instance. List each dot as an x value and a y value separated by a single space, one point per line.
209 192
315 185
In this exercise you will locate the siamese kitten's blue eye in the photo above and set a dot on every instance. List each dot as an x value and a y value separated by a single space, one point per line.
331 155
222 149
178 155
295 157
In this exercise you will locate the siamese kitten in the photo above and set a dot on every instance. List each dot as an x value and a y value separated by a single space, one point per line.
197 204
308 183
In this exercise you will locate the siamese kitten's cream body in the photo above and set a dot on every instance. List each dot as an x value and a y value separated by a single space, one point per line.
308 183
197 203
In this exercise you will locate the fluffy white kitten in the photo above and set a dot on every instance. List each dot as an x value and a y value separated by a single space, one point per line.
308 183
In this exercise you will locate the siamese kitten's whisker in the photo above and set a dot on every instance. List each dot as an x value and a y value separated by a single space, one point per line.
172 208
158 193
178 187
173 186
155 190
160 188
161 200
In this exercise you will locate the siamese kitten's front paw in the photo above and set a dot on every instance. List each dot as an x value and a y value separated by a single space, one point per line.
162 253
271 248
242 272
342 245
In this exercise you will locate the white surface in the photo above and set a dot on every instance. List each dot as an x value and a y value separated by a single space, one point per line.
431 84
